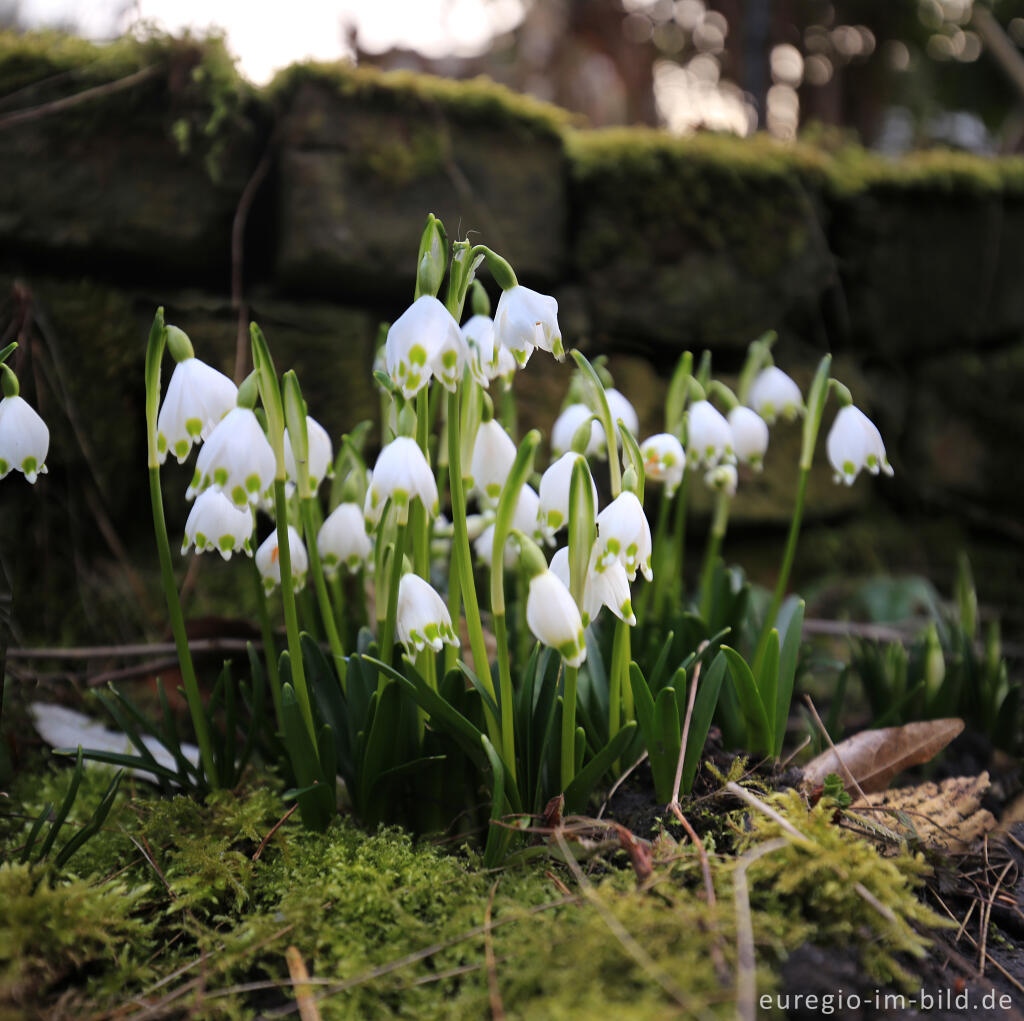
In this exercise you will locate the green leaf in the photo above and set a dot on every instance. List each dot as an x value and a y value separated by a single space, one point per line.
768 680
665 755
305 764
26 851
759 733
497 836
91 828
787 674
122 759
62 812
589 776
709 686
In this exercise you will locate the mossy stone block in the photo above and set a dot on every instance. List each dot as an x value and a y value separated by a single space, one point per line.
694 242
359 174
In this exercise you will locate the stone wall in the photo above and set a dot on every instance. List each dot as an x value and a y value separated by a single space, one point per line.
910 272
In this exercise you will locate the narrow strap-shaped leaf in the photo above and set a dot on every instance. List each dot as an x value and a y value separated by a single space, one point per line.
407 768
304 760
488 699
750 701
665 754
658 670
33 833
787 674
708 688
91 828
123 759
172 742
589 776
497 836
768 681
65 807
115 707
643 705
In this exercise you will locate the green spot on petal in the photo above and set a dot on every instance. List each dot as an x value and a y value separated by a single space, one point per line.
193 426
201 541
493 490
567 650
220 476
226 543
161 443
849 468
554 519
4 467
449 359
238 495
612 546
29 465
181 448
252 483
417 355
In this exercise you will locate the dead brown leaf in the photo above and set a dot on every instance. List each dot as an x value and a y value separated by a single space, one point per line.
874 757
946 816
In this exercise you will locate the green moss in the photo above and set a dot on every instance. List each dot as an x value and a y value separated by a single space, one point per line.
479 101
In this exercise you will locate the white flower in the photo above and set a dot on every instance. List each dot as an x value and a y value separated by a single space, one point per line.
854 442
423 618
624 535
609 587
620 407
664 460
554 619
268 560
723 478
24 438
708 434
555 483
400 475
321 454
197 398
478 342
342 539
237 459
749 436
215 523
773 394
505 367
568 423
526 319
493 455
424 341
523 520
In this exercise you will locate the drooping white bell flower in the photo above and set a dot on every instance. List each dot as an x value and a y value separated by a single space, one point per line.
774 394
624 535
268 560
24 439
709 438
525 319
215 523
321 454
478 341
424 341
505 366
609 587
237 459
342 539
197 398
568 423
749 436
555 484
524 520
853 443
400 475
554 619
423 618
664 461
722 478
621 408
493 456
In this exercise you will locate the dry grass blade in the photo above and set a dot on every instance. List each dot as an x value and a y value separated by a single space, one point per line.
874 757
308 1009
848 778
988 915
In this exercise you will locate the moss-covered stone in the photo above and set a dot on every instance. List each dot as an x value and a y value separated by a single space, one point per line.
366 157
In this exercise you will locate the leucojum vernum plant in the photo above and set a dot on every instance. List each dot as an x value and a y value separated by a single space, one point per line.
483 629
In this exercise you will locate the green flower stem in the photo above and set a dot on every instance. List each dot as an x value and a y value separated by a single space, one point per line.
568 751
508 736
787 564
719 524
451 653
677 587
269 646
154 355
617 675
320 586
188 672
291 620
460 551
605 415
387 632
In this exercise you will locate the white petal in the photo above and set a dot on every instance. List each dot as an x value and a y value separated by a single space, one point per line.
237 459
554 619
555 483
709 437
24 438
749 435
342 539
525 319
197 398
664 460
416 342
401 475
321 454
215 523
423 617
268 560
568 423
493 456
773 393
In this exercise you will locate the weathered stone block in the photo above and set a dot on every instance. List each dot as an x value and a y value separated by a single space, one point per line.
359 172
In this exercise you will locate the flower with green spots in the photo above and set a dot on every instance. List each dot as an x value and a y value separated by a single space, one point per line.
609 587
624 535
773 393
268 560
664 461
24 437
554 619
854 442
424 341
708 434
400 475
215 523
237 459
422 617
493 455
555 483
342 539
526 319
197 398
749 436
321 454
524 519
569 422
